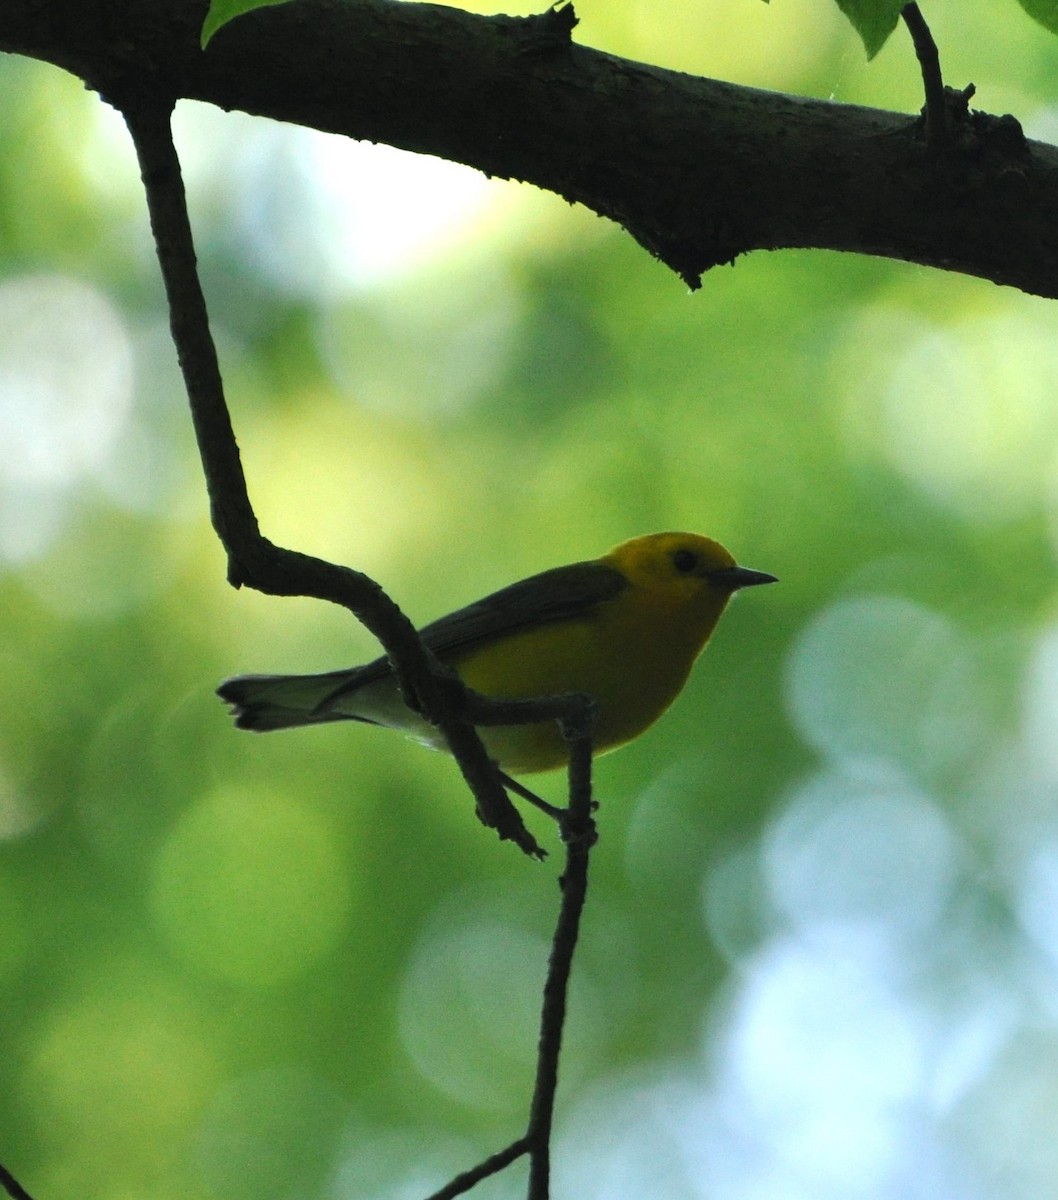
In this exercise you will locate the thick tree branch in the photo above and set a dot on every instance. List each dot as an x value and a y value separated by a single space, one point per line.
697 171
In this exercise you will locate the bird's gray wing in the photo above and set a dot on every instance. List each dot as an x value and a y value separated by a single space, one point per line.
556 595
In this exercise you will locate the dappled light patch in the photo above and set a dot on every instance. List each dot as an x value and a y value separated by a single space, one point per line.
118 1069
250 889
878 678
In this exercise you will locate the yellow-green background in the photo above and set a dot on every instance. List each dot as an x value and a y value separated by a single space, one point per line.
821 954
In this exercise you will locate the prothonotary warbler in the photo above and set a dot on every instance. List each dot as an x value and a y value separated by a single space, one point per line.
625 628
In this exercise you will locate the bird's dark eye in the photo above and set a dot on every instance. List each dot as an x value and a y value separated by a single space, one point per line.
685 561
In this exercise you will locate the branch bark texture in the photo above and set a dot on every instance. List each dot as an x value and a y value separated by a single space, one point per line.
696 170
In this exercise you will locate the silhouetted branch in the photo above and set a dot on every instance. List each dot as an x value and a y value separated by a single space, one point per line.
432 688
492 1165
519 99
579 835
427 685
936 110
11 1185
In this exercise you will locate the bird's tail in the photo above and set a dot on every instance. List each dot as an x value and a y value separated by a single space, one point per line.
266 702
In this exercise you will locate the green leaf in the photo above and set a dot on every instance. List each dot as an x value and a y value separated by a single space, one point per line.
875 20
223 11
1044 11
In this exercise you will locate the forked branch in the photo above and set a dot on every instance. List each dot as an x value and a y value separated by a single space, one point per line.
578 834
253 560
427 685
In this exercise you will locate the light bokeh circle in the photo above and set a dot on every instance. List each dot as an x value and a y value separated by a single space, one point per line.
251 889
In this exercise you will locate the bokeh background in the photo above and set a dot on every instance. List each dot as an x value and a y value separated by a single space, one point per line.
820 960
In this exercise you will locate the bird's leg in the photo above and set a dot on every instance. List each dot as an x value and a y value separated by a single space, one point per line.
554 813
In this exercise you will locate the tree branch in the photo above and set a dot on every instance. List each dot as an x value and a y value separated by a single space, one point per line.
436 691
936 110
492 1165
579 835
426 684
697 171
11 1185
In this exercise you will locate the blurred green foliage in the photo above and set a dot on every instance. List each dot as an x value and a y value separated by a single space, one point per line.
820 955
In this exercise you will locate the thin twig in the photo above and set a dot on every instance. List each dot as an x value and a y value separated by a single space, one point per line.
578 833
255 561
519 789
936 109
489 1166
11 1185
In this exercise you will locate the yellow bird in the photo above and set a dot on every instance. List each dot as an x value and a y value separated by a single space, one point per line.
625 628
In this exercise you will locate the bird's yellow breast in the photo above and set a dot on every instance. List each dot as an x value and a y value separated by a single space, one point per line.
633 654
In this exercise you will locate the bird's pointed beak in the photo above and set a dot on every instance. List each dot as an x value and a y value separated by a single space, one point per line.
734 578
